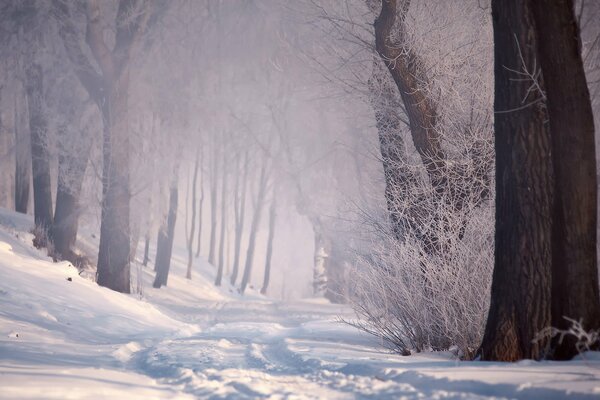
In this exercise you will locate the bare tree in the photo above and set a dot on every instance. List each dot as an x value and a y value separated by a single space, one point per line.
258 206
109 88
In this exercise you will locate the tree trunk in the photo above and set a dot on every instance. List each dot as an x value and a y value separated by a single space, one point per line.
320 259
71 172
190 243
166 234
114 252
200 208
22 160
213 209
223 225
575 272
146 249
272 217
40 166
240 211
520 298
407 70
262 187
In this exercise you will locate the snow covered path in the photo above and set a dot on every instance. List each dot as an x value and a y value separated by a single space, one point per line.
62 338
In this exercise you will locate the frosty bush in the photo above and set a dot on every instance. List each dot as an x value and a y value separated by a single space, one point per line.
414 300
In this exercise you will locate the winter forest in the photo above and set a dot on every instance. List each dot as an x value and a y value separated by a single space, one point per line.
312 199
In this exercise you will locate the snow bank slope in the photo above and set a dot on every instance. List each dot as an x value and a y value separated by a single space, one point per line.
63 336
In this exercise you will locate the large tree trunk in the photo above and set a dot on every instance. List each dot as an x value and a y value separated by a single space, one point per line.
166 235
520 298
114 252
22 159
575 273
40 166
260 198
272 217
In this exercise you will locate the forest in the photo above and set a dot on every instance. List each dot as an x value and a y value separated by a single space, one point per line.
299 199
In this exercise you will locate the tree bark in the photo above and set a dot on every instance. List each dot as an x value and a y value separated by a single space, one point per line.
40 166
190 243
200 209
574 268
239 211
166 234
146 249
520 295
109 89
407 70
272 217
213 209
260 198
22 160
221 262
71 172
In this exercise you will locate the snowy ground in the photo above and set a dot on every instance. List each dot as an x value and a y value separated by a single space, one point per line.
70 339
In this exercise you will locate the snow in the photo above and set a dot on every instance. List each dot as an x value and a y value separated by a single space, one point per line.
62 339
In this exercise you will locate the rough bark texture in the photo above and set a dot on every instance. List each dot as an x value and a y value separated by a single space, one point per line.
40 166
574 273
520 296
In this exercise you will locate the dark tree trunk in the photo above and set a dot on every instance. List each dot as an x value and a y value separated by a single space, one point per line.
40 166
272 217
520 298
240 211
22 161
166 234
262 187
575 273
221 262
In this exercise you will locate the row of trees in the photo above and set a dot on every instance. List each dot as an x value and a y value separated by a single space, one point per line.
126 106
427 283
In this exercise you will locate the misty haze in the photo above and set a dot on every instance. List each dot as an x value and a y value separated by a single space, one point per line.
304 199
